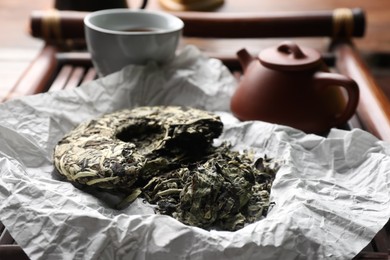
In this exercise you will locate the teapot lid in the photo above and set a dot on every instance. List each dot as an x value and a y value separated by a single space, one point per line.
289 56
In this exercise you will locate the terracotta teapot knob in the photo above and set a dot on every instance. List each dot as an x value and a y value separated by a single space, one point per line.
291 48
289 56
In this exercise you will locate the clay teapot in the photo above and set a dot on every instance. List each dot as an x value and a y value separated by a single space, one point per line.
290 85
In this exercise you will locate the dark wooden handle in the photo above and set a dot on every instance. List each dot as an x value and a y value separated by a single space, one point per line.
374 107
37 76
274 25
56 26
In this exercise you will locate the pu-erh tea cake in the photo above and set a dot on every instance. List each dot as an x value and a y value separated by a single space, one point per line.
165 154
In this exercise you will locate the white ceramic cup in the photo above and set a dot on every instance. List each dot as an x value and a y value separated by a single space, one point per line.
119 37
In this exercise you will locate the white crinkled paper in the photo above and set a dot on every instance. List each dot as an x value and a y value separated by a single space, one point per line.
331 194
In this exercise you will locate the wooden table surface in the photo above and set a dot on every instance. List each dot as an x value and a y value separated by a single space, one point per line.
18 48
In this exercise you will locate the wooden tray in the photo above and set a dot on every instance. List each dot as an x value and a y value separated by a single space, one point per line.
71 69
55 69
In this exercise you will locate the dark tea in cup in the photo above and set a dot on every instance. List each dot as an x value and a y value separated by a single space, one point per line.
140 29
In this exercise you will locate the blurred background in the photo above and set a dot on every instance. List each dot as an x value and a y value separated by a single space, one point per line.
18 48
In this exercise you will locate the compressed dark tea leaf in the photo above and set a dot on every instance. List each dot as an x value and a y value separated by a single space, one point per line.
223 191
117 149
165 155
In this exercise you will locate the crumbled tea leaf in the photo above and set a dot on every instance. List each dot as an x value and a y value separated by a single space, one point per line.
224 190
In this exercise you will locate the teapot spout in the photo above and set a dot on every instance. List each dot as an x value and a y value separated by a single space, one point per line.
244 58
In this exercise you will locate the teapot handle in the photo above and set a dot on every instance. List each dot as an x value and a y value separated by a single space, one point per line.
326 79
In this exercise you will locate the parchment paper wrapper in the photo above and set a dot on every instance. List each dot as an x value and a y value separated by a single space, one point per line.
331 194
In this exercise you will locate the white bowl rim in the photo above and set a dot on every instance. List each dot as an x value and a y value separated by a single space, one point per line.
87 22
